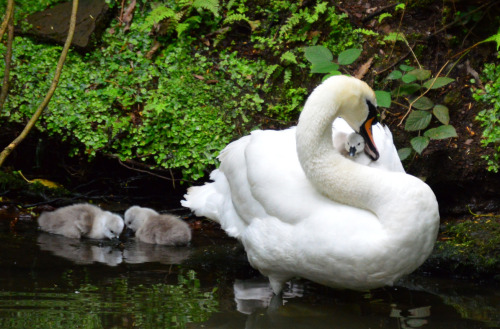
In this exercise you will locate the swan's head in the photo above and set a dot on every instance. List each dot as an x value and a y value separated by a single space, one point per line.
357 104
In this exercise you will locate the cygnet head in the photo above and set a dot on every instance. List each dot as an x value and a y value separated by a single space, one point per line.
113 225
135 216
354 144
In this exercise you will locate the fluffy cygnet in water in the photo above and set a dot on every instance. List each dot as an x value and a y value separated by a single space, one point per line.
152 227
82 220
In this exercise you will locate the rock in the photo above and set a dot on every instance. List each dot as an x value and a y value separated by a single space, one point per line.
52 24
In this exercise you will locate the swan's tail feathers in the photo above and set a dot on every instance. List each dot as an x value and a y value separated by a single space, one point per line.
213 201
203 200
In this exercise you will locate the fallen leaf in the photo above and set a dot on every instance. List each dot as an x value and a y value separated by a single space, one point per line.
363 69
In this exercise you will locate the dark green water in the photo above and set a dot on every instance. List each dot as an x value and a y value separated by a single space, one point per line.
48 281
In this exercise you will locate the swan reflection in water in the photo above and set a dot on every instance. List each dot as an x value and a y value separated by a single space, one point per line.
89 251
257 307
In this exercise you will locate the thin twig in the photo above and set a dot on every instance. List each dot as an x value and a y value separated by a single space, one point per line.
9 13
5 153
8 60
423 94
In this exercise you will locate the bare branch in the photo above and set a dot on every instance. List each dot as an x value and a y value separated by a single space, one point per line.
9 13
8 59
72 24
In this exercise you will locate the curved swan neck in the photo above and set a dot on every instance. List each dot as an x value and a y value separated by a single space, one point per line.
336 177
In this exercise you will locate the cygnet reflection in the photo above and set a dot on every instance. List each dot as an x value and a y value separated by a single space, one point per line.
251 295
137 252
79 251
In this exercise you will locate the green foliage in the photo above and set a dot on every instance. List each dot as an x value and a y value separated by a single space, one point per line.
490 116
409 86
472 244
177 108
89 306
322 59
178 17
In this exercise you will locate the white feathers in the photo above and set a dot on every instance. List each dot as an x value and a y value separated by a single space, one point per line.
300 208
151 227
82 220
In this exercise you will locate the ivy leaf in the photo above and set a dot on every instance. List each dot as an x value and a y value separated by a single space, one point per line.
406 68
441 132
383 98
419 143
421 74
349 56
409 78
404 153
423 103
331 74
394 75
440 82
441 113
318 54
418 120
408 89
324 67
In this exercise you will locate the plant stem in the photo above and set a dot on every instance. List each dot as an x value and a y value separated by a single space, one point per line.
72 24
8 59
8 14
423 94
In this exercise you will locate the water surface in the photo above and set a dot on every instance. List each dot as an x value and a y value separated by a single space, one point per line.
49 281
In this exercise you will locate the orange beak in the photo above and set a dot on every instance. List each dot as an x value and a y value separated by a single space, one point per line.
366 131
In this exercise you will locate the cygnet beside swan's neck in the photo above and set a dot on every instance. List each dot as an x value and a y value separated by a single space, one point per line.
331 173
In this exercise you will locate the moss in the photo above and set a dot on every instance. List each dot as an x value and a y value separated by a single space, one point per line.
469 248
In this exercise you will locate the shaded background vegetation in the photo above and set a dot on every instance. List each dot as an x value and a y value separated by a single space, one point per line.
168 84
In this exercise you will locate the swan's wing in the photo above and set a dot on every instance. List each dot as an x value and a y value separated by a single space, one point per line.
278 183
228 199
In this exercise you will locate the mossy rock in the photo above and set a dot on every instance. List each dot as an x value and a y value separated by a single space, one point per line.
468 249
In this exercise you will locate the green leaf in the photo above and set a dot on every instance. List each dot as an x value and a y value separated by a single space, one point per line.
404 153
494 38
324 67
441 113
408 89
419 143
440 82
423 103
408 78
383 98
394 75
421 74
348 56
406 68
441 132
318 54
289 57
331 74
418 120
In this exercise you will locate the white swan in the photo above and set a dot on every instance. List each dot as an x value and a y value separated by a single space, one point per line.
300 208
